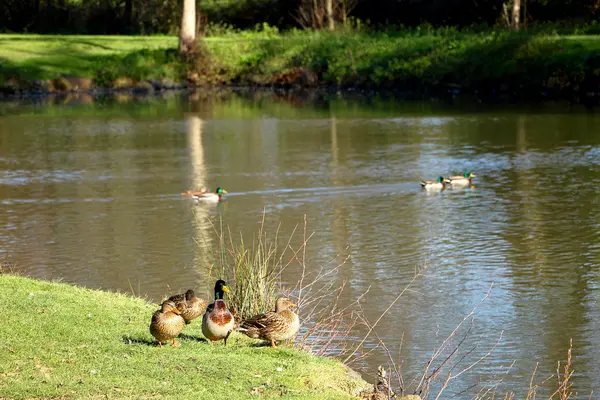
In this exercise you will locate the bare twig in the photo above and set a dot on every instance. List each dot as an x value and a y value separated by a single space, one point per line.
372 327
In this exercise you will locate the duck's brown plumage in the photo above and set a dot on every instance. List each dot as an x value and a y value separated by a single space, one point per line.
281 324
190 306
166 323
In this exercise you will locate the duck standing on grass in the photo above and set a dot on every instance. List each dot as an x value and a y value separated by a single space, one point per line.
218 322
190 306
462 180
281 324
438 184
167 323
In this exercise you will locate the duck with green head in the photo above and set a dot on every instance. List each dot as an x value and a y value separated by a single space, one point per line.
215 197
218 322
462 180
438 184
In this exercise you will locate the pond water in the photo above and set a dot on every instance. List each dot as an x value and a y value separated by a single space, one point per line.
90 194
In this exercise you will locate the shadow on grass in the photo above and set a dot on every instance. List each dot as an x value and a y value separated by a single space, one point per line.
185 336
130 340
62 40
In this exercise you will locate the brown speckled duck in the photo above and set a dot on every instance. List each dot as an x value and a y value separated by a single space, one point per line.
190 306
218 322
281 324
167 323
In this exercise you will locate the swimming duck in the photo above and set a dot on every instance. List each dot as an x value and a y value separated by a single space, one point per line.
193 193
281 324
167 323
218 322
465 179
210 197
438 184
190 306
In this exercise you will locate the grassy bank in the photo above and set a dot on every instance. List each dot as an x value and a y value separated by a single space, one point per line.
61 341
494 61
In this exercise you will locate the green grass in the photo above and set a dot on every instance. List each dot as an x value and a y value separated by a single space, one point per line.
408 59
71 342
45 56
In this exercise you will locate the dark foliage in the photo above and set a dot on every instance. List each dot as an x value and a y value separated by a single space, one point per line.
162 16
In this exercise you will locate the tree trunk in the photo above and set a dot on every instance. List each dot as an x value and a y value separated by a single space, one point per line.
516 14
315 14
329 10
187 34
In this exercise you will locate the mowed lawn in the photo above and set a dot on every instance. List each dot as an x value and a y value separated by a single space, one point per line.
46 56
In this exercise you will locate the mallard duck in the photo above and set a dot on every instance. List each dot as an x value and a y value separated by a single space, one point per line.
281 324
438 184
167 323
210 197
193 193
464 180
190 306
218 322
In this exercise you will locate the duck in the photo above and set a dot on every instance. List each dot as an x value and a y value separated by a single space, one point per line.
438 184
190 306
193 193
273 326
218 321
167 323
462 180
215 197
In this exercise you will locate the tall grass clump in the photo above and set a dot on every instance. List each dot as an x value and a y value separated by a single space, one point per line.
251 270
254 273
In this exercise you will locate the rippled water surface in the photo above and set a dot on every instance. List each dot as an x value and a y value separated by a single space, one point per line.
90 193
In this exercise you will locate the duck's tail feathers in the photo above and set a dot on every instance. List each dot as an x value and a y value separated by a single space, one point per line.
423 183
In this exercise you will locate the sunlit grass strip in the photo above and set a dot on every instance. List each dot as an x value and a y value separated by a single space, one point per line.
408 59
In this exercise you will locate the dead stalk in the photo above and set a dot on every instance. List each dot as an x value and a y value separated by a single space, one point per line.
564 386
372 327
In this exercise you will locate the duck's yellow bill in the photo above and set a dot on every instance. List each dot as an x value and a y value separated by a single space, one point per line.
224 191
225 288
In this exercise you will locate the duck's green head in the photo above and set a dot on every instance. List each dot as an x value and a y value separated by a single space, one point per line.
469 174
221 190
220 289
441 179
